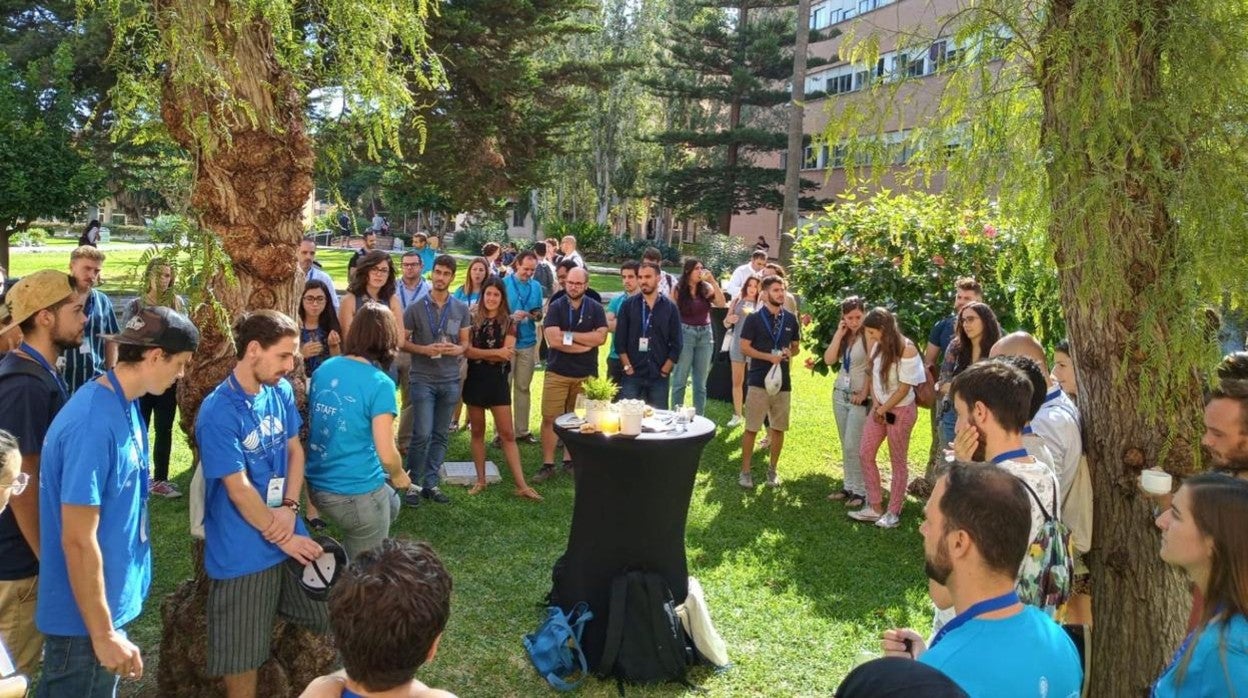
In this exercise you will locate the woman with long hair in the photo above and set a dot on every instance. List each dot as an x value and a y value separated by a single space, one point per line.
319 337
851 401
896 367
351 451
90 234
492 253
158 411
1064 369
469 292
373 281
696 293
976 331
1202 533
492 346
742 306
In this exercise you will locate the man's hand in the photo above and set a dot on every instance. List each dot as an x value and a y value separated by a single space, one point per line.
312 348
508 353
302 548
519 316
966 443
118 655
282 527
450 348
902 642
402 481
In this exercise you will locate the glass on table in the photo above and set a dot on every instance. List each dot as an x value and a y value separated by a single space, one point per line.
580 407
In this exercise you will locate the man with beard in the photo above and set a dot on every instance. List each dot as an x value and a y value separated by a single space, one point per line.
46 309
524 298
438 327
575 326
313 272
1226 417
975 535
248 436
94 355
96 564
648 340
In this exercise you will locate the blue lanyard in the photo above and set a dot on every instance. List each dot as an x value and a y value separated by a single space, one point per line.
1187 641
580 316
986 606
248 406
1055 394
415 294
845 359
1009 455
646 315
130 407
38 358
1027 430
528 292
778 330
436 326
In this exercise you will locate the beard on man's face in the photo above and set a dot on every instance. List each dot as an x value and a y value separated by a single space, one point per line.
1234 463
938 568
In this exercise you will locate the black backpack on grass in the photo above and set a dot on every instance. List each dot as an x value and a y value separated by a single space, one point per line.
645 641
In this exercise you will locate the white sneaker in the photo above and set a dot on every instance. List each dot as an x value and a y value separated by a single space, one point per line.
735 421
889 520
866 513
773 480
746 480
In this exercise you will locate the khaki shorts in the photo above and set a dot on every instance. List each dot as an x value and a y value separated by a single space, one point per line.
759 404
559 394
17 623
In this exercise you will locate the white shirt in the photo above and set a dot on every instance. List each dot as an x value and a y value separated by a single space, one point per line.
1057 423
739 275
909 371
575 256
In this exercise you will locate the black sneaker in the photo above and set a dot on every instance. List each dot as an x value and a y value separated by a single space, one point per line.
412 497
544 473
436 495
528 438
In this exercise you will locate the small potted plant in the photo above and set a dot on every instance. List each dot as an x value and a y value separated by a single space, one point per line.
599 392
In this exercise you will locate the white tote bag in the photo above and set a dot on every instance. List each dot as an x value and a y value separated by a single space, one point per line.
774 380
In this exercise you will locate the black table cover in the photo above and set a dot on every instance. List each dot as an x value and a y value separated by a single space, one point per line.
632 501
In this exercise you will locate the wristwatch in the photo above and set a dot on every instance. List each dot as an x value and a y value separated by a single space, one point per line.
291 504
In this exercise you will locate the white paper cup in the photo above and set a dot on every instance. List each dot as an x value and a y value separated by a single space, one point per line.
1156 481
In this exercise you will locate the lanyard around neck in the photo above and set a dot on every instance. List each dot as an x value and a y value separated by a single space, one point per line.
996 603
415 294
131 410
437 325
1009 455
38 358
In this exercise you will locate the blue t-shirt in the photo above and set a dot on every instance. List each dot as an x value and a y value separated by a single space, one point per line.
1209 674
344 398
469 299
86 361
1024 656
942 333
526 296
427 255
241 433
94 455
614 308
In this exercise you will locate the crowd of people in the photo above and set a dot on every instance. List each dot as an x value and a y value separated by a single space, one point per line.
82 393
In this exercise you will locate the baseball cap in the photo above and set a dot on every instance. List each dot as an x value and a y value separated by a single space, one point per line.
158 326
33 293
318 576
897 677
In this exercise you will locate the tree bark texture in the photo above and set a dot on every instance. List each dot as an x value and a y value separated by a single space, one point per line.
1139 601
253 174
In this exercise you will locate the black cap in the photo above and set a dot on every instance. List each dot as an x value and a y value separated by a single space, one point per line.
898 677
158 326
318 576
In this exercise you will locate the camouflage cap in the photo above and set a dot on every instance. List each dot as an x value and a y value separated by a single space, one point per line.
158 326
34 292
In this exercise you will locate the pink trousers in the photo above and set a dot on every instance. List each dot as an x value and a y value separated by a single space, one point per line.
898 435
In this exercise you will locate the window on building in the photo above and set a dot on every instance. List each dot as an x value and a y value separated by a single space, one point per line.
818 18
838 156
117 219
841 83
517 217
916 67
810 158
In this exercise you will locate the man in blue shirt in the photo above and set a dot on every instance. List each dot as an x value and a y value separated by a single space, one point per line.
248 436
96 564
420 247
770 337
524 297
46 310
976 530
628 276
94 355
411 287
649 340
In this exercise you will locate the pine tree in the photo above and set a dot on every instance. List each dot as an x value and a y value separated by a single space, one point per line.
729 61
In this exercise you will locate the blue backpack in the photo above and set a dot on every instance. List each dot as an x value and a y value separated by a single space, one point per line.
555 647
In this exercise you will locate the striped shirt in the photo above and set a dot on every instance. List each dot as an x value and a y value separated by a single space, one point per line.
85 362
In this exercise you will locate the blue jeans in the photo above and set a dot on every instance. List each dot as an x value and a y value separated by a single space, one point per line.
652 390
695 362
364 518
948 424
70 668
432 405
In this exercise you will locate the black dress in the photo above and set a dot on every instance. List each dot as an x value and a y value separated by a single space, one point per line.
487 384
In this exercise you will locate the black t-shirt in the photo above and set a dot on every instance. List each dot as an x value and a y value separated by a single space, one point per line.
761 328
589 293
30 399
589 317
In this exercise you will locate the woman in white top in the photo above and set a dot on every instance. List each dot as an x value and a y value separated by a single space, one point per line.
850 396
738 311
896 367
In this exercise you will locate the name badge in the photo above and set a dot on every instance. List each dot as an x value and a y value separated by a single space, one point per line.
277 488
85 347
643 344
567 339
776 352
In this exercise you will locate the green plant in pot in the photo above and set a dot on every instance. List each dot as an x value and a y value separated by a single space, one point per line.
599 392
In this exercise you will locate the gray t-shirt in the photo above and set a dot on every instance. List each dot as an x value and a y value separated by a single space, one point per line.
420 319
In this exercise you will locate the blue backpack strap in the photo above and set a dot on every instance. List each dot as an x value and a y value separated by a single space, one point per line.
575 621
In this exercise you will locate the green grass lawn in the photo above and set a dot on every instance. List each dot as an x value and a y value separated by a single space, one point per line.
798 591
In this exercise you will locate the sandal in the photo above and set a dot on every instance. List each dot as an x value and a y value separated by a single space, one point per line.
529 493
478 488
855 501
839 495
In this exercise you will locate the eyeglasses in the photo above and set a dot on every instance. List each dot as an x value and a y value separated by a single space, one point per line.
382 270
410 264
314 299
18 485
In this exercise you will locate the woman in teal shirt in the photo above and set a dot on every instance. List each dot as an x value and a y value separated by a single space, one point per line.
351 439
1203 533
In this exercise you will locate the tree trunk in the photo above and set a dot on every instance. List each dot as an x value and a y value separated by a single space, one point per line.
249 190
797 110
1135 594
